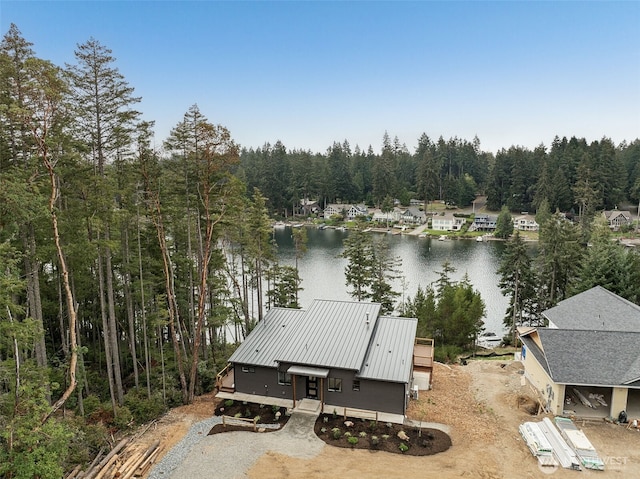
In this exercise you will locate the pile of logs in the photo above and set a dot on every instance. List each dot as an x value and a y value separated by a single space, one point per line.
122 462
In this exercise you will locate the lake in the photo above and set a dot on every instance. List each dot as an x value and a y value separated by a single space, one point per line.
322 270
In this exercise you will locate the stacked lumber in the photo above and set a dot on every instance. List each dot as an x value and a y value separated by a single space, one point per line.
578 441
561 450
537 443
122 462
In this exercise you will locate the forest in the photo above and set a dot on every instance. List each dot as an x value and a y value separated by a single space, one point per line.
129 272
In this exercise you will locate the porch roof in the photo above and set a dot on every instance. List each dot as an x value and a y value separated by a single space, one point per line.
308 371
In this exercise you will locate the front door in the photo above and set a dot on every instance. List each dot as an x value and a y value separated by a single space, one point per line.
312 387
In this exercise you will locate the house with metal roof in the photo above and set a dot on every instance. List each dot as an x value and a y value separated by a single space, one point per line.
587 362
337 352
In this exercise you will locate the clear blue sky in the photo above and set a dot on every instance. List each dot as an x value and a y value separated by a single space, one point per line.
311 73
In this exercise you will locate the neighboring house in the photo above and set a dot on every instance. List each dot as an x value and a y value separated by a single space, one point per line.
308 207
483 222
590 350
335 209
338 352
389 216
349 211
447 222
526 222
356 210
414 202
617 218
414 215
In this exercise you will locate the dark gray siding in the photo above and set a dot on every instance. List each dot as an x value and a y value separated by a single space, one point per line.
374 395
263 382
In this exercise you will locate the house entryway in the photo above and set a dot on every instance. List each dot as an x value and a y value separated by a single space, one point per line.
312 387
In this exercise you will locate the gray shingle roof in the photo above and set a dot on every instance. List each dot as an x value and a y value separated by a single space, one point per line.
599 358
390 353
267 338
333 334
595 309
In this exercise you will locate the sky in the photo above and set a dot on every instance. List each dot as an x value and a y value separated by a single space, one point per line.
312 73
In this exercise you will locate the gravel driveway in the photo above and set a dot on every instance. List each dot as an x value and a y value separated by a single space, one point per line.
230 455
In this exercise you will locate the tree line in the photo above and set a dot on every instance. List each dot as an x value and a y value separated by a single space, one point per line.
129 272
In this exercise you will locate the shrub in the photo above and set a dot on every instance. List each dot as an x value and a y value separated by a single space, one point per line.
403 447
336 432
325 419
323 430
385 437
228 403
238 414
144 408
372 425
335 414
347 434
123 418
374 440
275 409
91 404
247 412
362 434
352 440
256 419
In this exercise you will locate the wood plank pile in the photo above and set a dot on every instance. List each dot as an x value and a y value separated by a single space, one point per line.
578 441
561 450
122 462
538 444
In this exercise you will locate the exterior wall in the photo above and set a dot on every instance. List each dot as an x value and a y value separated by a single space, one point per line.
551 393
374 395
618 401
263 382
441 224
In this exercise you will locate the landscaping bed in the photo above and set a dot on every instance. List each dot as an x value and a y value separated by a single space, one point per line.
246 410
379 436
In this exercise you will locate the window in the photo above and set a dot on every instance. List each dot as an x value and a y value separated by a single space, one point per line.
284 379
334 384
247 369
356 385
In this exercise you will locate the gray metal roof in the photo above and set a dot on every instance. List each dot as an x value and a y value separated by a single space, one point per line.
599 358
332 334
595 309
390 353
269 336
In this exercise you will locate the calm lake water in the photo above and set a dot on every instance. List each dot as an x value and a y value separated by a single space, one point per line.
322 270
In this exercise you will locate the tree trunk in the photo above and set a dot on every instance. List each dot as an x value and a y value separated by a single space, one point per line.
108 354
129 303
113 325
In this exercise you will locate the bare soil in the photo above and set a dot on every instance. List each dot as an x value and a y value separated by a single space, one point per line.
483 403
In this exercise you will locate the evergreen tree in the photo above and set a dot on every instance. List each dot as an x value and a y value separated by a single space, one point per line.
558 260
517 282
385 270
504 224
358 250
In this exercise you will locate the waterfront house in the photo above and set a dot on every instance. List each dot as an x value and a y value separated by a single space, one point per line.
348 211
483 222
587 361
340 353
447 222
617 218
413 215
386 217
525 222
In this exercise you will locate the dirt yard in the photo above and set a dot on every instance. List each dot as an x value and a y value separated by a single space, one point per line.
483 403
